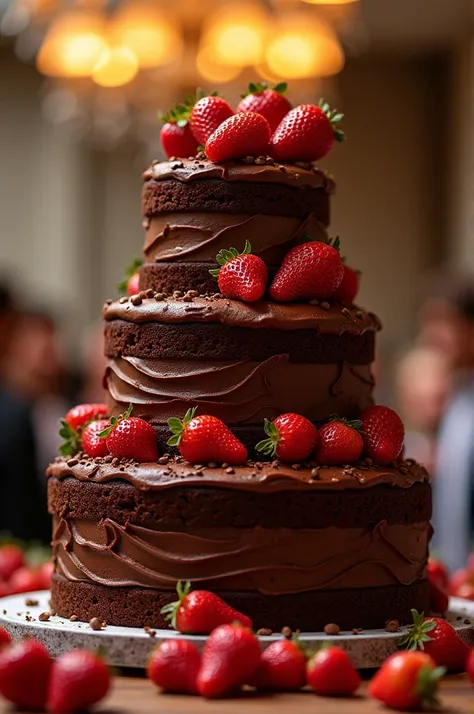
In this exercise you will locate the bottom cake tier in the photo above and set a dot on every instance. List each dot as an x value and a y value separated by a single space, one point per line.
288 546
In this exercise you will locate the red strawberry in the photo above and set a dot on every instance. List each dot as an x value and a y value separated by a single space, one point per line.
241 135
205 438
270 103
5 638
460 577
309 271
177 139
131 438
207 114
4 589
470 666
384 434
11 559
291 437
45 573
331 673
465 590
73 424
82 414
407 680
438 639
92 443
349 286
339 442
133 284
282 667
438 573
174 666
230 658
241 275
199 612
79 679
439 599
25 580
306 133
24 672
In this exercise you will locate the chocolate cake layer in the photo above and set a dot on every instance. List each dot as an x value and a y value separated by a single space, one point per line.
309 611
185 507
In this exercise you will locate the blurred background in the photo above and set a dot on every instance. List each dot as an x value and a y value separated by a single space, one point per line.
81 84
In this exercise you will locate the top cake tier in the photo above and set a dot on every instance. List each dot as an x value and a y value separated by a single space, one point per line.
194 208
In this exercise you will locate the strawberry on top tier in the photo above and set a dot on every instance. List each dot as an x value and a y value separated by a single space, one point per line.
270 103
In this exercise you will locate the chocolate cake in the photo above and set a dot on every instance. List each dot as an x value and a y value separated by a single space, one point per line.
288 544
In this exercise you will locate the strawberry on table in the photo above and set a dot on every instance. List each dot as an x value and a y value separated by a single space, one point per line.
24 672
270 103
199 612
330 673
11 558
25 580
174 665
92 443
207 115
74 422
79 679
245 134
383 433
230 658
406 681
349 286
470 665
438 639
45 573
291 437
205 438
282 668
312 270
242 275
339 442
130 437
306 133
176 136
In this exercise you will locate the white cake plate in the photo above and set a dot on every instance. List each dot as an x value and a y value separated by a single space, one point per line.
131 646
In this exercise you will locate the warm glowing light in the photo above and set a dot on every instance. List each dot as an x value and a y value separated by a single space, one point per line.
149 32
116 66
330 2
265 73
212 71
237 34
304 47
72 46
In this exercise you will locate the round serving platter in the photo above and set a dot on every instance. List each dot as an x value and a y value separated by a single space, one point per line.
130 646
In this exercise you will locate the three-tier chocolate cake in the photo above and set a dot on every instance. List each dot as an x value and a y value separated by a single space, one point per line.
288 544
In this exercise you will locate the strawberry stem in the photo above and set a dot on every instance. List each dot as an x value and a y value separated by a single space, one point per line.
170 610
417 635
257 87
177 426
269 446
114 422
355 424
180 113
427 683
334 117
129 271
72 439
226 255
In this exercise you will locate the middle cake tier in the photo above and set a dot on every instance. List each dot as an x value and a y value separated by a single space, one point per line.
237 361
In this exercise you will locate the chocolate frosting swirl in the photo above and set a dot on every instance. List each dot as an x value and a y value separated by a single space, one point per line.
270 561
237 392
281 316
198 169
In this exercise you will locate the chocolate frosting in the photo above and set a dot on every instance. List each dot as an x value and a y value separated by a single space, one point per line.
200 236
270 561
198 169
264 477
237 392
282 316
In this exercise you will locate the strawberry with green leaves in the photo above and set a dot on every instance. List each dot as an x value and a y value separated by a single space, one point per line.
74 423
130 284
438 639
245 134
199 612
290 436
205 438
307 133
130 438
407 681
242 276
270 103
92 443
339 442
177 138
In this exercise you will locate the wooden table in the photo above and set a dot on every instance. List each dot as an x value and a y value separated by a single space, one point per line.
136 695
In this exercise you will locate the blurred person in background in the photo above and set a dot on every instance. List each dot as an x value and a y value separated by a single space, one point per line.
453 476
22 503
424 383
